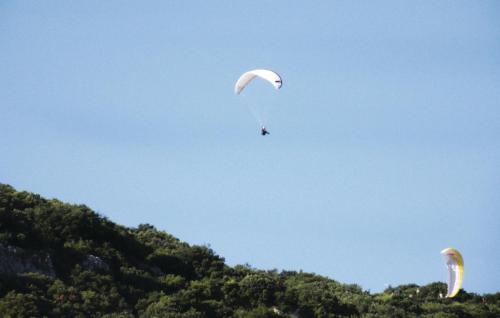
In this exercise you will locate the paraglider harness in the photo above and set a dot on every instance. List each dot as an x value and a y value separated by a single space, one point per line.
264 131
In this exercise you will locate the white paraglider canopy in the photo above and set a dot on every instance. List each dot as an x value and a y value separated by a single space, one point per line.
257 102
455 265
246 78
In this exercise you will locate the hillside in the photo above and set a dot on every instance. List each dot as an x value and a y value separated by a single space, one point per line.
63 260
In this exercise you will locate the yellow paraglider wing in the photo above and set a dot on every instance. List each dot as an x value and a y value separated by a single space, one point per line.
455 265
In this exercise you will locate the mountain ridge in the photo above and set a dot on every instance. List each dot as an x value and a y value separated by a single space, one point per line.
65 260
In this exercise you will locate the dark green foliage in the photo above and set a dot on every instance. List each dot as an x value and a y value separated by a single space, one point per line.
76 263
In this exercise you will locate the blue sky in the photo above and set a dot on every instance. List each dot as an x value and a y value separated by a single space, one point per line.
384 145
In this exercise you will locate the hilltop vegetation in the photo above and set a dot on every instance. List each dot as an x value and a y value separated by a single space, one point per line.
63 260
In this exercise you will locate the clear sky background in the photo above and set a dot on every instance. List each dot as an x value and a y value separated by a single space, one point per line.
384 145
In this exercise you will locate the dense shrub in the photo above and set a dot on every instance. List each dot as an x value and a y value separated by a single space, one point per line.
95 268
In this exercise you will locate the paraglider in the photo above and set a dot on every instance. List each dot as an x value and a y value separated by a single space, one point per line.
455 265
246 78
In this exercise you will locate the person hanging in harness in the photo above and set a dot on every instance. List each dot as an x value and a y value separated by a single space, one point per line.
263 131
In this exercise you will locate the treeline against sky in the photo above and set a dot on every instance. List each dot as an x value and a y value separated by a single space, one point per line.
63 260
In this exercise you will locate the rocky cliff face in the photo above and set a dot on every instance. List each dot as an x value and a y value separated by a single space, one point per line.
94 263
14 260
